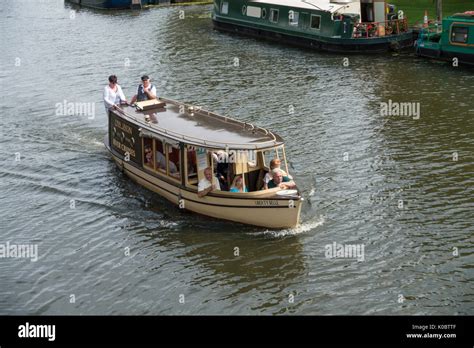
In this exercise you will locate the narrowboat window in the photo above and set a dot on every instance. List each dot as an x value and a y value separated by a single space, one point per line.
273 15
192 166
253 11
459 34
160 157
148 158
315 22
264 13
174 160
225 7
293 17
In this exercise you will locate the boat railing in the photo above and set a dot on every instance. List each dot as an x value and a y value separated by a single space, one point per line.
367 30
434 28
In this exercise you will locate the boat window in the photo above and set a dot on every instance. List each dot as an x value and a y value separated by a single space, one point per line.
148 158
273 15
225 7
192 166
459 34
293 17
174 161
268 155
315 22
160 156
253 11
264 13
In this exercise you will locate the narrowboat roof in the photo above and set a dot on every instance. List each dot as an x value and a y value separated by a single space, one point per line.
331 6
465 15
199 127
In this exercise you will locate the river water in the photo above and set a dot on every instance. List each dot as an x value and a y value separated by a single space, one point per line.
399 187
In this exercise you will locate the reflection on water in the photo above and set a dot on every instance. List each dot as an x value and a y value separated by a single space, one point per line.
401 187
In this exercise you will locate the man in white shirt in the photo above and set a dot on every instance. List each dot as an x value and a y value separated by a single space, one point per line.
208 184
113 94
145 91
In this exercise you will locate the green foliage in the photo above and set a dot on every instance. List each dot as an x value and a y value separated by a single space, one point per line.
415 9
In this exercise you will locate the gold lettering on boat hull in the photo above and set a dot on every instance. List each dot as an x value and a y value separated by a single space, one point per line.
266 202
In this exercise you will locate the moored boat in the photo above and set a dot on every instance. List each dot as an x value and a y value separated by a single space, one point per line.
118 4
453 40
330 25
110 4
166 146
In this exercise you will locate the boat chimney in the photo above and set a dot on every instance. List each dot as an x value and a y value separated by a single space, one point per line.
439 10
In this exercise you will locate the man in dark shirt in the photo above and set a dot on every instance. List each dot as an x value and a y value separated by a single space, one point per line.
280 181
145 91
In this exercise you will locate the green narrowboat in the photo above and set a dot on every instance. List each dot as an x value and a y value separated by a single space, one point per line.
329 25
454 39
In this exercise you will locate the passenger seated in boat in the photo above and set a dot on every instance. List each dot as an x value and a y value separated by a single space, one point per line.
238 185
145 90
148 156
222 169
161 163
191 169
208 184
281 181
274 164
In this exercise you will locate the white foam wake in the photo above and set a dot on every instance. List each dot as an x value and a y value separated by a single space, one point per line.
301 228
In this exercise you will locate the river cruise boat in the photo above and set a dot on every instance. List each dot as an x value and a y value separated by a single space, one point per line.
330 25
167 146
453 39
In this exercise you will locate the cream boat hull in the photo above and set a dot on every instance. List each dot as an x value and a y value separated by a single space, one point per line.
249 208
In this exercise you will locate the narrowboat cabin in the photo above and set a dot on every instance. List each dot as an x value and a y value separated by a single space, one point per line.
454 39
170 147
330 25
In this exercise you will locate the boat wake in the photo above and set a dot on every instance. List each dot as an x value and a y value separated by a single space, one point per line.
302 228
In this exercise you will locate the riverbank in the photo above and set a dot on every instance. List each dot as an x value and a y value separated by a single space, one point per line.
416 11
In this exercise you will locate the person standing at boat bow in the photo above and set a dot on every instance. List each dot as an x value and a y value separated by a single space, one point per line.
145 91
113 94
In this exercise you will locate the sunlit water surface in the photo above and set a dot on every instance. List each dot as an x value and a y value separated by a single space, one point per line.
354 165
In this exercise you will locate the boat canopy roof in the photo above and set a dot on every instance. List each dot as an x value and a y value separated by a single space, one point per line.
332 6
194 126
